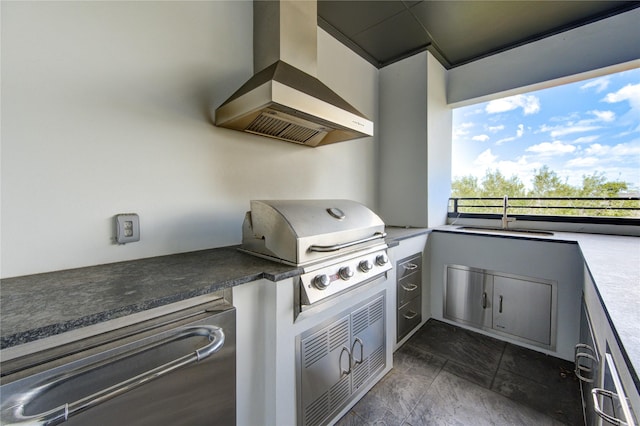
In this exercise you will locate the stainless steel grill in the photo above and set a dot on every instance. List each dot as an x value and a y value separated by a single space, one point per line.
338 243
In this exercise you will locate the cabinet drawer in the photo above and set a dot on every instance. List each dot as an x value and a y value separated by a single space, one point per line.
410 265
409 287
409 316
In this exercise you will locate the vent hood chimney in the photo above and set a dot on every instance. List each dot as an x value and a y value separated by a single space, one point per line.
284 99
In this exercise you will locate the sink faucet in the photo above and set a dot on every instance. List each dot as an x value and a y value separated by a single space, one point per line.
505 218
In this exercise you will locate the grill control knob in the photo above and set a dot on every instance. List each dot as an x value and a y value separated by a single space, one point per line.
345 272
382 259
366 265
321 281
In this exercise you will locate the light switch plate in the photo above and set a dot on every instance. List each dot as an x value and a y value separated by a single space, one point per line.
127 228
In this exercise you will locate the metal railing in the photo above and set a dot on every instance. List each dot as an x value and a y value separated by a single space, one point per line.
565 209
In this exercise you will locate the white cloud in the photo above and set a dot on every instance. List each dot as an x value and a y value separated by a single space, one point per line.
495 129
462 129
630 92
597 149
579 126
530 104
600 84
505 140
611 152
582 162
606 116
586 139
485 159
556 131
480 138
551 148
599 157
520 130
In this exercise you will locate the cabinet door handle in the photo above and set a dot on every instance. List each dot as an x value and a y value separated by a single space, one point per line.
583 350
500 305
409 287
484 300
410 315
410 266
596 405
342 370
581 368
353 351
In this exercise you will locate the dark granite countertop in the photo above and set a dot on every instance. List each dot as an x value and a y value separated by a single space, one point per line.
41 305
36 306
396 233
614 264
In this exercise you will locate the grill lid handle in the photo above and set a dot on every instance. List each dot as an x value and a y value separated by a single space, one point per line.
336 247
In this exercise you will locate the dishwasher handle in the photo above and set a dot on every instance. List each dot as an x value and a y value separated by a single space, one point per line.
62 413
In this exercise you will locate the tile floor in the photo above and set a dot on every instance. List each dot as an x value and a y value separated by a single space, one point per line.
446 375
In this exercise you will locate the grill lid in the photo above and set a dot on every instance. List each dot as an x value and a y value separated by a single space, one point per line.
300 232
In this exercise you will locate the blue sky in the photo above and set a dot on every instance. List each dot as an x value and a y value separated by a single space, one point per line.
575 129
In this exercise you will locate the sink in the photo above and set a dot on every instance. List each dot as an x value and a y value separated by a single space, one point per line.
505 231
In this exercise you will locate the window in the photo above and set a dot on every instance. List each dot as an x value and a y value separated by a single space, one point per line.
570 152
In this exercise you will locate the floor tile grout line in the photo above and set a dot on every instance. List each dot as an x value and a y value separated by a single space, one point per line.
495 373
424 394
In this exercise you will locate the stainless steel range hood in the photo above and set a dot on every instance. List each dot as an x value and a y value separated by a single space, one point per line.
284 99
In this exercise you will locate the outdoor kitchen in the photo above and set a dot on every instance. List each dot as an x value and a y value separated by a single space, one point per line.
193 235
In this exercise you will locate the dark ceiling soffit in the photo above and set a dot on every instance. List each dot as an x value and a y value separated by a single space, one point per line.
337 34
373 61
442 58
622 9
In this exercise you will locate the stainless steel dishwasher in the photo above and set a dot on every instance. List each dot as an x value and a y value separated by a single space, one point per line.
176 369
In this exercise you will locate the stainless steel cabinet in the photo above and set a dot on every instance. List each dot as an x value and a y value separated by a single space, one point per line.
523 308
468 296
178 368
409 294
520 307
336 359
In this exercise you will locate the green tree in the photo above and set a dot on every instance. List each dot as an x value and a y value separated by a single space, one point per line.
547 183
495 184
596 185
466 186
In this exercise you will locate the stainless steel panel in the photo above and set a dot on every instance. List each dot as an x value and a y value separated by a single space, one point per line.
522 308
287 229
468 296
610 402
409 317
409 288
337 357
285 87
587 367
195 393
411 265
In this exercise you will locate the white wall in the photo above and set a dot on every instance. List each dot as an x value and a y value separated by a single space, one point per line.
439 126
403 142
106 110
415 142
584 52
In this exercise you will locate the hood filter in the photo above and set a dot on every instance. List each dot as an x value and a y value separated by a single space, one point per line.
269 125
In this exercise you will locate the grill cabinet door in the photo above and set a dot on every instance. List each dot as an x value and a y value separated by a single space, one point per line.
367 343
338 359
